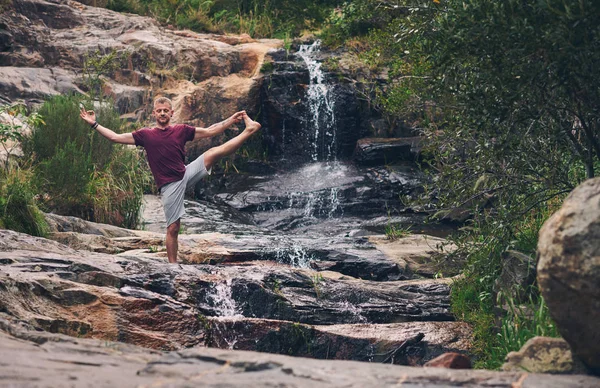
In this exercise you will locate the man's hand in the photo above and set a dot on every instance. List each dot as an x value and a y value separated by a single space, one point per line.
237 118
88 116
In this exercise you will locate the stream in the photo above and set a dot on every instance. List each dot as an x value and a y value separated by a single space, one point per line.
304 236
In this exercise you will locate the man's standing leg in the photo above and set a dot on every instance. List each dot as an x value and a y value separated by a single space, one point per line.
172 196
172 243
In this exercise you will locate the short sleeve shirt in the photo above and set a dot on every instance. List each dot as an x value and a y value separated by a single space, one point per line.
165 150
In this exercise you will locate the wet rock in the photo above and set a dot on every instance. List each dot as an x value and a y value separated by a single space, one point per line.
544 355
374 151
401 343
288 121
419 254
450 361
45 359
322 198
266 290
569 270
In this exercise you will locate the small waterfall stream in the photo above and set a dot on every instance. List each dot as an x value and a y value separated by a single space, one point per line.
221 298
321 106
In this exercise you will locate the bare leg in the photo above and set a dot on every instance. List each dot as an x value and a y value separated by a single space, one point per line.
172 246
214 154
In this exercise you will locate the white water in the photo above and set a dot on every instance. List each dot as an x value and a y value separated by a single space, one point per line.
320 103
222 300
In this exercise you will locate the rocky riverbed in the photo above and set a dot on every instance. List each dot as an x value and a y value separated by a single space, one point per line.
286 259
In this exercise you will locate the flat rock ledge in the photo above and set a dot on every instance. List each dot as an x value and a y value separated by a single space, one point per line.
32 358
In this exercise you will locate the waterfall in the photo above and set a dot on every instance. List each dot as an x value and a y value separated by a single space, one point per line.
320 103
222 300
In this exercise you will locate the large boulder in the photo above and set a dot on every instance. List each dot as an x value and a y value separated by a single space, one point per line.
544 355
569 270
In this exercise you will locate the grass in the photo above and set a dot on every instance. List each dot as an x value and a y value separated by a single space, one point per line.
317 281
18 205
396 231
499 329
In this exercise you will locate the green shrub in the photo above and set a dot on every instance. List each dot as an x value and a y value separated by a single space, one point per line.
64 177
63 125
117 192
496 331
18 208
80 172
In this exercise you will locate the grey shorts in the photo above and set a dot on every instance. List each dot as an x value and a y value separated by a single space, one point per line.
172 194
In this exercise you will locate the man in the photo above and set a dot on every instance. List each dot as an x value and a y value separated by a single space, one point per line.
165 151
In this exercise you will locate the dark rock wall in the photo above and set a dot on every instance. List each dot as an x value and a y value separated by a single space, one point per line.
289 134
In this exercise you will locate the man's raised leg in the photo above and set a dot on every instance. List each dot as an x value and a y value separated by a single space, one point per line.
172 244
214 154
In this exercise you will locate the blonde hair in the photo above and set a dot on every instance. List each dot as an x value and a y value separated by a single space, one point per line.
163 100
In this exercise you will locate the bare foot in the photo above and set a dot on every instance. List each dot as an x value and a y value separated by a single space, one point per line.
251 125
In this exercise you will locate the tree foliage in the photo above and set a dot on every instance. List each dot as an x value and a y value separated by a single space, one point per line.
508 95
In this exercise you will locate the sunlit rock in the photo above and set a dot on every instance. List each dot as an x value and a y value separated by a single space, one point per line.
569 270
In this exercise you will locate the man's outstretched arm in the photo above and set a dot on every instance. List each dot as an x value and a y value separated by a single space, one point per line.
218 128
90 117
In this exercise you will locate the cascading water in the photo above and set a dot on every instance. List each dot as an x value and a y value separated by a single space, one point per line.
222 300
321 106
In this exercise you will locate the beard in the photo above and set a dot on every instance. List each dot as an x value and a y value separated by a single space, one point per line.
163 120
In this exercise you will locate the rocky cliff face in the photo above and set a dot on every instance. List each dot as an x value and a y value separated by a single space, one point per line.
47 48
45 45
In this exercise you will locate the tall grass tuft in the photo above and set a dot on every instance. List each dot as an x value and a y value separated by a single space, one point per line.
18 208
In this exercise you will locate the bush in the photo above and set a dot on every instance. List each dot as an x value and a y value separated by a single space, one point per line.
117 192
63 126
18 208
80 172
497 332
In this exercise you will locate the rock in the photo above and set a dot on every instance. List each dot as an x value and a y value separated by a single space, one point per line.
409 343
35 83
31 357
53 15
292 132
516 277
423 255
47 42
544 355
58 223
450 361
127 98
569 270
373 151
98 295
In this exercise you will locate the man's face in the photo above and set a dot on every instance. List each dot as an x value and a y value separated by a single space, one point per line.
162 113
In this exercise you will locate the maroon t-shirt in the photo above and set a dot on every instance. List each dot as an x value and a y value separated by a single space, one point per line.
165 150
